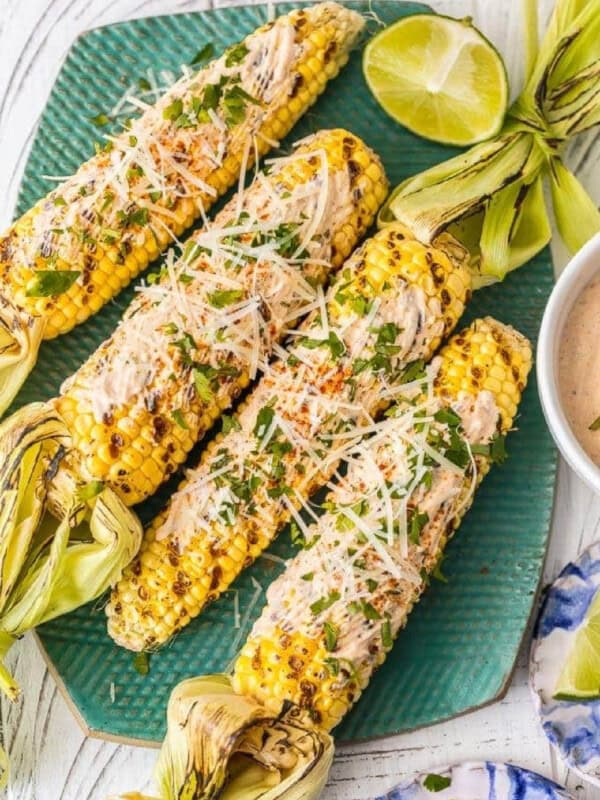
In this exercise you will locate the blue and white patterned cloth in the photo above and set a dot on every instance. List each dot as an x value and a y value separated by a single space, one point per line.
573 728
481 780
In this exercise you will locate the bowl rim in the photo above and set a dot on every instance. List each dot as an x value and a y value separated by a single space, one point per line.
577 274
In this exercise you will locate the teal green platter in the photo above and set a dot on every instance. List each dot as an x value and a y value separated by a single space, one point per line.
461 643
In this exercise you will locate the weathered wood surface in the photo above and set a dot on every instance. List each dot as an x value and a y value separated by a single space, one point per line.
51 759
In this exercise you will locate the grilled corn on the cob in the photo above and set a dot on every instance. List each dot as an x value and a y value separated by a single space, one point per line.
391 305
332 616
77 247
192 340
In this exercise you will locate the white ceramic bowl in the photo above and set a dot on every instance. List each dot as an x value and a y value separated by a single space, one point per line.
578 273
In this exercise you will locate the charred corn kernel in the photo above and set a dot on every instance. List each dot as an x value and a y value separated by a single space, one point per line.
74 227
192 339
390 305
332 616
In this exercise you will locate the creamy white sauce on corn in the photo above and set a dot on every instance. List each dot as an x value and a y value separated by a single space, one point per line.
307 411
223 304
385 519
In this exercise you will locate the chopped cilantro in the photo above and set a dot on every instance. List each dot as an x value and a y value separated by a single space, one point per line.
343 521
414 371
365 608
225 297
447 417
50 283
331 632
141 663
333 666
264 419
204 53
333 342
323 603
230 424
437 572
416 523
386 634
595 426
458 449
436 783
137 216
495 450
178 417
299 539
308 576
174 110
236 54
203 386
101 120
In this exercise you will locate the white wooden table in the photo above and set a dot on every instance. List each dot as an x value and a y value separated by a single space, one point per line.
51 759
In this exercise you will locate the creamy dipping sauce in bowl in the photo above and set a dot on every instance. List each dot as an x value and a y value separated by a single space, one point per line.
568 363
579 369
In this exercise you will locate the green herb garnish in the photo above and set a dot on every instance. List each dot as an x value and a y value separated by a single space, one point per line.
174 110
203 387
236 54
178 417
101 120
50 283
225 297
416 523
204 53
436 783
141 663
386 634
333 342
331 632
323 603
230 424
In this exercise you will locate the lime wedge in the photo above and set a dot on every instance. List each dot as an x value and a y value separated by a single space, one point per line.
439 77
580 676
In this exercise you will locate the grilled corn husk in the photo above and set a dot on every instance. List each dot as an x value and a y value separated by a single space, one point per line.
50 566
86 240
389 307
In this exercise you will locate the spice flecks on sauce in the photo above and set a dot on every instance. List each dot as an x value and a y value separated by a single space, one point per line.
579 369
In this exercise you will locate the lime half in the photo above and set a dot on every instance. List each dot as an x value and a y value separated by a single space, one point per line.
439 77
580 676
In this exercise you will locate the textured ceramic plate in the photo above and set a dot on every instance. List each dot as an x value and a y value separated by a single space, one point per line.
573 728
462 641
482 780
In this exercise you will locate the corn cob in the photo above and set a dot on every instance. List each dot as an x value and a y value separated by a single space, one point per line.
332 616
391 305
193 339
81 244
